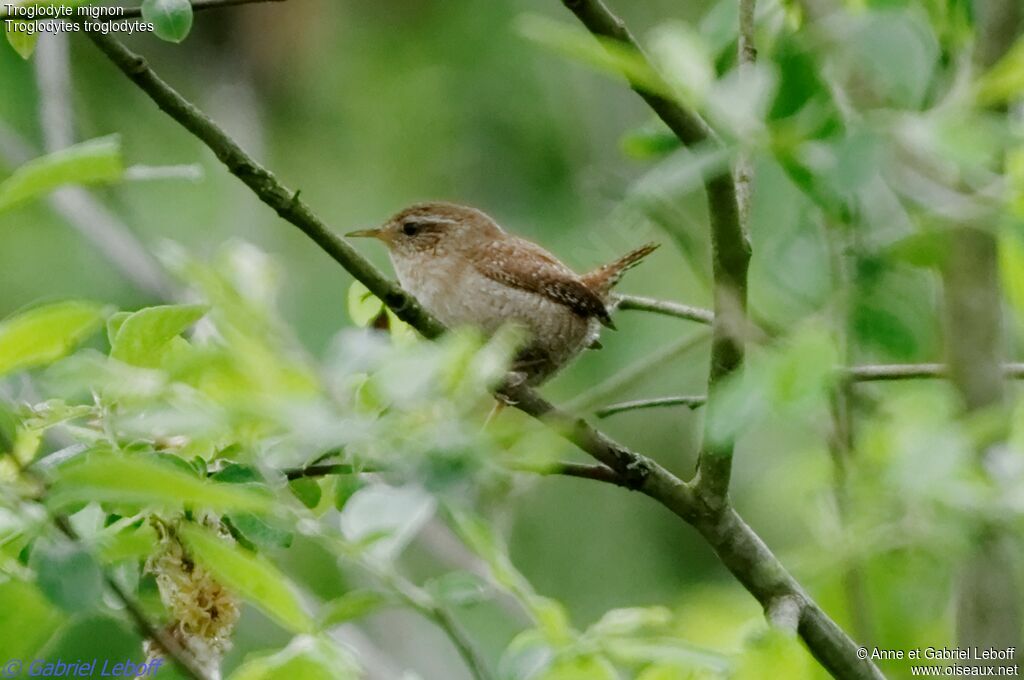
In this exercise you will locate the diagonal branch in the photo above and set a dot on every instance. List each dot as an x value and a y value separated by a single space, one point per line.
739 548
264 184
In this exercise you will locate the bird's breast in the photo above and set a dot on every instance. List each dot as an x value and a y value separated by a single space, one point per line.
459 295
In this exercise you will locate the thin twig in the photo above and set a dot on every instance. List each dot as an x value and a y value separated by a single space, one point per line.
740 549
746 47
419 600
600 473
841 439
627 377
870 373
467 650
328 469
179 655
597 473
665 307
692 401
747 55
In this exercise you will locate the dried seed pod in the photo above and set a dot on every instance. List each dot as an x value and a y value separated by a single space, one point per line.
203 612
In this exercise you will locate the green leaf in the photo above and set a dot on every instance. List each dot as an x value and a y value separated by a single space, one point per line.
144 337
459 588
307 490
363 306
880 328
129 543
171 19
345 486
254 533
668 650
527 656
114 323
1004 82
773 654
236 473
97 161
649 142
631 620
921 249
37 620
603 54
44 334
250 575
681 53
67 575
390 515
8 429
352 605
581 668
305 658
22 37
145 480
896 52
552 619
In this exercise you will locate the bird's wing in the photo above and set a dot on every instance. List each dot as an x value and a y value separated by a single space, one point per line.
526 266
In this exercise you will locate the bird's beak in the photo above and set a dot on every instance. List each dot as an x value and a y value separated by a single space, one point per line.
365 233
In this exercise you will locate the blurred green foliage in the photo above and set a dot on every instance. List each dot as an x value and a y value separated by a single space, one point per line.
871 136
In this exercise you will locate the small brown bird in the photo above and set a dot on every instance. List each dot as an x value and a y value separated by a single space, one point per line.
467 271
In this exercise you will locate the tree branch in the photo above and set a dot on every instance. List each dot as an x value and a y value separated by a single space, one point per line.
181 657
747 55
871 373
285 202
784 613
739 548
618 382
328 469
597 473
668 308
692 401
729 247
988 601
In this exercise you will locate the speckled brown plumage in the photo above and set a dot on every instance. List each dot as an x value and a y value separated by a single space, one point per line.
467 271
520 264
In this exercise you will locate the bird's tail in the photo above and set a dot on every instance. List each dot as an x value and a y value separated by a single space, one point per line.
604 278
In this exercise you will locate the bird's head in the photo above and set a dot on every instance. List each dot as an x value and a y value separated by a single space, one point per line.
434 229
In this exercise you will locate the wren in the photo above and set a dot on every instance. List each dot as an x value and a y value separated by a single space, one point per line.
467 271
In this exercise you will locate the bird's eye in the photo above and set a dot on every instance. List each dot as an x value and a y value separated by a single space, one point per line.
410 228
